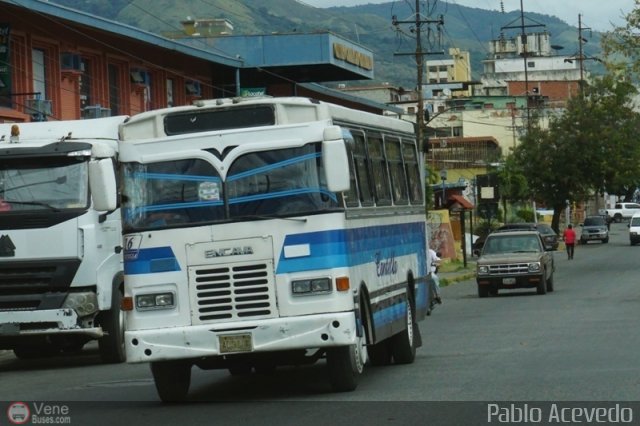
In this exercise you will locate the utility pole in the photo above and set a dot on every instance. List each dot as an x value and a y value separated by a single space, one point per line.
523 35
581 58
418 22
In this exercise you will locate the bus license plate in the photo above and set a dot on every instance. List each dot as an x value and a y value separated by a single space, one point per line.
508 281
235 343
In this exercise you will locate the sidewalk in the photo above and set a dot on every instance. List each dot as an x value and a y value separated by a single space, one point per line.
454 272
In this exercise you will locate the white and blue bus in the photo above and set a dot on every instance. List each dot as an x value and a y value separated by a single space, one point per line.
262 232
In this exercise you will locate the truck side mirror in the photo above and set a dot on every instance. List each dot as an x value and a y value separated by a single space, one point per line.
335 160
102 181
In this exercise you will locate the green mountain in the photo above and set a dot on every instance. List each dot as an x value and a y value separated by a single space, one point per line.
369 25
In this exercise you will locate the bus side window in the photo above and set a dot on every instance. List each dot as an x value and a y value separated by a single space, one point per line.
396 169
363 175
413 172
379 169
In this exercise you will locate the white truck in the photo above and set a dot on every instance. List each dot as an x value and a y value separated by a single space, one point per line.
622 211
61 273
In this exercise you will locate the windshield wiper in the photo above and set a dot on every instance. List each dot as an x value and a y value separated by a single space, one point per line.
33 203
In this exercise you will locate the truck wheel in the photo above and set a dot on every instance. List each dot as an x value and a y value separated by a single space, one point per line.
550 283
542 285
111 345
483 290
403 344
617 218
172 379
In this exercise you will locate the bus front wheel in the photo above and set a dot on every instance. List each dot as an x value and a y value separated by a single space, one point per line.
346 363
172 379
111 345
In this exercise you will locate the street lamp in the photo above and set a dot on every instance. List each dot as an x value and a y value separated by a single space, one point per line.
443 176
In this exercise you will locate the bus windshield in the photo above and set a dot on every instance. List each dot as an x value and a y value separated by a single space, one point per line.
43 185
276 183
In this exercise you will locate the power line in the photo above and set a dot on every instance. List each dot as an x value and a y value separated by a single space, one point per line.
419 53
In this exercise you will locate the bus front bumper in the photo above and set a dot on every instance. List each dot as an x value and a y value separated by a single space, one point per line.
304 332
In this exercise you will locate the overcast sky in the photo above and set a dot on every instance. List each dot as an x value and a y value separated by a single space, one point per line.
596 14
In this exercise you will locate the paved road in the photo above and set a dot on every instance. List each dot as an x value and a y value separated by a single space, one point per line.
578 343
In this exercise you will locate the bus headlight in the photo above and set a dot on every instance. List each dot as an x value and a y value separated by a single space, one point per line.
84 303
311 286
145 302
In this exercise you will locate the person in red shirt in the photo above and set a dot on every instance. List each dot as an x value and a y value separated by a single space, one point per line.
569 237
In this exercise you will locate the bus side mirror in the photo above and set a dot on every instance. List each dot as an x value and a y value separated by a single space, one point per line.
102 181
335 162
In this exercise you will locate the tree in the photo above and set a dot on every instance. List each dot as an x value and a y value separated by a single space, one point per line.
590 148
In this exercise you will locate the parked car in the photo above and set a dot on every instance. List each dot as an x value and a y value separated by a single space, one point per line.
594 228
514 259
634 229
549 236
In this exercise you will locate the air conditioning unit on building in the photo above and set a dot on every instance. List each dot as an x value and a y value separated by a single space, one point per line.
39 109
192 88
95 111
70 62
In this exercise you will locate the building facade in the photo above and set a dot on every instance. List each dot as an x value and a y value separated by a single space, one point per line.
58 63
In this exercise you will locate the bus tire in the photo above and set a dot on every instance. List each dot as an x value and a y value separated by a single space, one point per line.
172 379
29 352
344 367
403 344
380 353
346 363
111 345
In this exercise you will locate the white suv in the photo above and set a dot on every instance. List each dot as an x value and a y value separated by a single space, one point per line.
634 229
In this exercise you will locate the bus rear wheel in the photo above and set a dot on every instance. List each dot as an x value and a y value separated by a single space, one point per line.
172 379
403 344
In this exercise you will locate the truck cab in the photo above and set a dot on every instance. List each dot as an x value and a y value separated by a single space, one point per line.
60 238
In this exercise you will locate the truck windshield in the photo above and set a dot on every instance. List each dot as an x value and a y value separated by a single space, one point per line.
43 185
275 183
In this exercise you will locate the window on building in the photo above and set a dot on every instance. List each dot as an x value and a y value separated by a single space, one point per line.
456 131
531 64
86 84
433 69
170 99
114 89
38 65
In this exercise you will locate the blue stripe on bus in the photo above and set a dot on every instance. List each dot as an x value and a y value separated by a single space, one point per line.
351 247
150 260
390 314
328 249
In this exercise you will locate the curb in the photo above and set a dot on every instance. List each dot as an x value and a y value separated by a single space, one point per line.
445 281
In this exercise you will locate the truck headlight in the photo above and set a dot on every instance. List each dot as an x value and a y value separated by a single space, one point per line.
534 267
145 302
311 286
483 269
84 303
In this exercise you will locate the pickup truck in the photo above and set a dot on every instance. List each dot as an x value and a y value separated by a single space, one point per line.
514 259
622 211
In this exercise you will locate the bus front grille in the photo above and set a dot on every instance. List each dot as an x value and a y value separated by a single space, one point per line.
232 292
